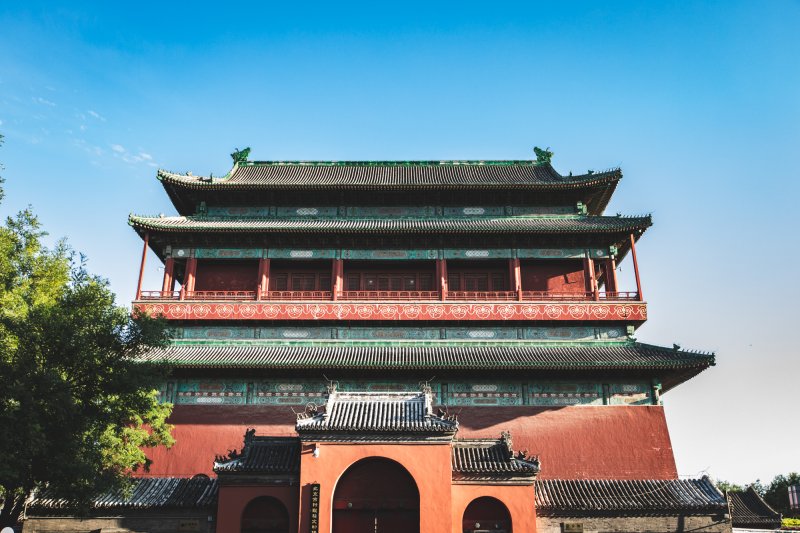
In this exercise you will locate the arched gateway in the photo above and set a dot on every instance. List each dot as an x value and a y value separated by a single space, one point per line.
265 515
376 495
487 514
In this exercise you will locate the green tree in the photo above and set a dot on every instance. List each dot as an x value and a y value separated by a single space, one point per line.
776 494
728 486
77 408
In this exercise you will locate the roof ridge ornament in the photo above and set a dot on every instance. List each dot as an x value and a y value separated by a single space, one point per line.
240 156
543 156
505 438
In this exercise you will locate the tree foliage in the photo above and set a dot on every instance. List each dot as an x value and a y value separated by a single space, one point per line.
76 407
776 494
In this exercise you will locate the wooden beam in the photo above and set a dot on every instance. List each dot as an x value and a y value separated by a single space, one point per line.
337 273
611 275
636 270
141 266
263 278
592 279
441 271
189 276
169 278
515 277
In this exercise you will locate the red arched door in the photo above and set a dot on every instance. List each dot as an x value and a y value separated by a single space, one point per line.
376 495
487 515
265 515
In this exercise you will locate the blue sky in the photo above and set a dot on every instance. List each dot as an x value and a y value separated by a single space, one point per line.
698 102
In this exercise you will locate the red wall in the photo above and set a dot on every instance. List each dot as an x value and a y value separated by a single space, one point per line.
582 442
553 275
602 442
226 275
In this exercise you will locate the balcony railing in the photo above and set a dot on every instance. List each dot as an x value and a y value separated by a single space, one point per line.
388 295
220 295
297 295
160 295
632 296
481 296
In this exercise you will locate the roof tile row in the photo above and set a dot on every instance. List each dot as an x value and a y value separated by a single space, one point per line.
587 357
147 493
575 497
390 174
536 224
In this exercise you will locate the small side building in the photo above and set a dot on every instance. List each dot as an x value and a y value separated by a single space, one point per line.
749 512
153 505
583 506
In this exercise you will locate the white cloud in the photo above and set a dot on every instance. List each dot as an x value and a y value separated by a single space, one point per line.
97 115
40 100
118 148
145 156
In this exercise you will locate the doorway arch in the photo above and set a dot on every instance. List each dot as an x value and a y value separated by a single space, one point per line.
265 515
376 495
487 514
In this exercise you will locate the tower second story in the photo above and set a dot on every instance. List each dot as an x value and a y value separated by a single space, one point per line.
410 241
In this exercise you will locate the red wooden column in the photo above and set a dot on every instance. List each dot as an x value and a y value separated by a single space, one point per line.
169 278
189 277
337 281
263 278
636 269
611 275
588 267
141 266
515 277
441 272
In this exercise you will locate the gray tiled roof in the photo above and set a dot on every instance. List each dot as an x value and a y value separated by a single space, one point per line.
490 457
147 493
535 224
377 412
586 356
749 510
586 497
269 455
389 175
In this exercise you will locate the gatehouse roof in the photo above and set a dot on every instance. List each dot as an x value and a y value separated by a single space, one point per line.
480 458
265 455
377 412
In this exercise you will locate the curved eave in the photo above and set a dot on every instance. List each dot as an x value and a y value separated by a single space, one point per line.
511 225
199 183
670 365
603 183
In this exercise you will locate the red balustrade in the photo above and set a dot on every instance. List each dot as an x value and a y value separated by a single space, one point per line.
481 296
220 295
389 295
296 295
630 296
560 296
160 295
